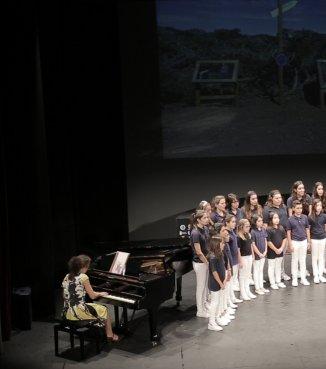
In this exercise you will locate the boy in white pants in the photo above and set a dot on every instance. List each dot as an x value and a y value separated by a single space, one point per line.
298 235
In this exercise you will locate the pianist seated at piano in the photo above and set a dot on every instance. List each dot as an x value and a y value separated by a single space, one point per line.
75 287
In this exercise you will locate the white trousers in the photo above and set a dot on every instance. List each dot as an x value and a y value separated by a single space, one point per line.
215 301
275 270
201 270
245 275
299 255
317 256
235 277
259 273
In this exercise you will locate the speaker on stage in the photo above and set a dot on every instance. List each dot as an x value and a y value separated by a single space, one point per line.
22 308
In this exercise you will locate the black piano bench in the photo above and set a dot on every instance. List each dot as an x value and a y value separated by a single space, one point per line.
85 330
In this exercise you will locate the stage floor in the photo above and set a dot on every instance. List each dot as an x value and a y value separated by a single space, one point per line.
281 330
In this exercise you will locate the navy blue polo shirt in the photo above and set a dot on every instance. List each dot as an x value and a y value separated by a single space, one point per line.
199 235
233 244
217 218
215 265
259 237
317 226
298 227
239 214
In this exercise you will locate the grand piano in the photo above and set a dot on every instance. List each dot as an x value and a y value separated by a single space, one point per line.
153 274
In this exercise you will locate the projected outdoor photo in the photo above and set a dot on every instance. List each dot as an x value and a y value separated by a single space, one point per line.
242 77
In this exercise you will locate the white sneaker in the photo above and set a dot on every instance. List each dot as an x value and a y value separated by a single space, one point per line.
294 282
221 321
245 298
305 282
237 301
281 284
233 306
260 292
274 287
322 279
229 316
265 290
316 280
286 277
214 327
203 314
252 296
230 311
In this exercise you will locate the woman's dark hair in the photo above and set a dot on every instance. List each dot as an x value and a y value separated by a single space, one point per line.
214 246
303 201
254 219
76 263
315 195
231 198
247 206
313 209
270 197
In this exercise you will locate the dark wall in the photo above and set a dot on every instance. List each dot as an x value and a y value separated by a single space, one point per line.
62 123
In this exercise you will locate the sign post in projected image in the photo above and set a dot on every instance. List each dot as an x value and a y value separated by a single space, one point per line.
285 8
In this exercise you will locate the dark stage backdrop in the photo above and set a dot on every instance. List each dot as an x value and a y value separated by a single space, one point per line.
160 188
62 142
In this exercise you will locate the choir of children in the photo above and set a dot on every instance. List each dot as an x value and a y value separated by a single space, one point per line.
230 244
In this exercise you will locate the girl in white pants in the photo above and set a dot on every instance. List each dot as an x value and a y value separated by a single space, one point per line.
227 307
245 259
230 224
198 239
276 242
216 281
259 243
317 221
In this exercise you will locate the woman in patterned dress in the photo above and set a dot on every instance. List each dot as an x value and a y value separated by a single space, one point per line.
75 287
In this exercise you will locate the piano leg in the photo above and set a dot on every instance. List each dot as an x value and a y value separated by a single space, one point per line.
153 319
116 317
178 295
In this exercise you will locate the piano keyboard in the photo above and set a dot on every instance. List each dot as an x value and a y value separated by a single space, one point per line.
119 298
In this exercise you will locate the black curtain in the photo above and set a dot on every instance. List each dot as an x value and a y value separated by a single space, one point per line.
62 181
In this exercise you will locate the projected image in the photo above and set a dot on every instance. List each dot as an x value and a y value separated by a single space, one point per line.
242 77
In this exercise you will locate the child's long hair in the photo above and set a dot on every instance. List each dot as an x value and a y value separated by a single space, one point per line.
76 263
247 206
214 245
315 195
254 219
303 201
240 231
270 224
313 209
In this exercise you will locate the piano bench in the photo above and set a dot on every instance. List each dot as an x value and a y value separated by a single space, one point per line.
84 330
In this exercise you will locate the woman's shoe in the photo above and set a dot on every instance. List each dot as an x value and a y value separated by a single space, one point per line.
114 338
